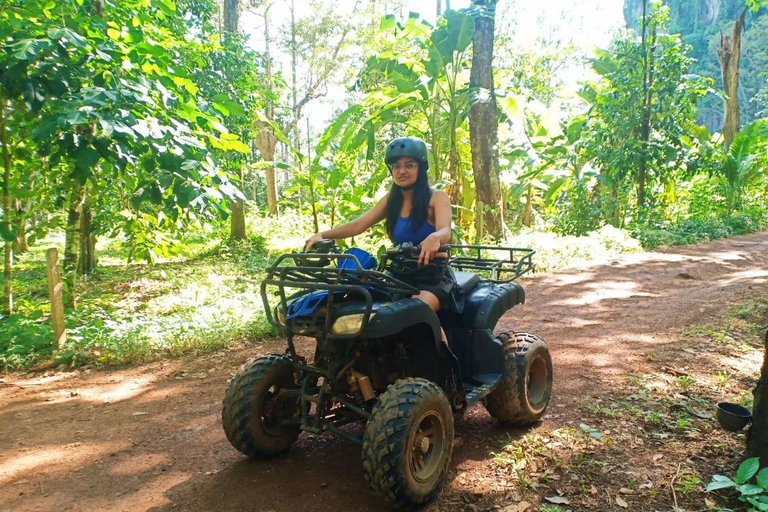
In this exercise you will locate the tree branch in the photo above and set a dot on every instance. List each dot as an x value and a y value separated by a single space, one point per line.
321 78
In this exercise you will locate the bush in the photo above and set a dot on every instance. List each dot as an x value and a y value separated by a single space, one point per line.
554 251
701 229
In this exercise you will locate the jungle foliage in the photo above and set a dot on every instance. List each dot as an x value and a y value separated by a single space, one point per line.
135 125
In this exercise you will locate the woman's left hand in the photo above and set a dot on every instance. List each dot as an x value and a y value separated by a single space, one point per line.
429 248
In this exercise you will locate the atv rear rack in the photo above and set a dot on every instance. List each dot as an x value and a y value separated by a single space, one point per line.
469 258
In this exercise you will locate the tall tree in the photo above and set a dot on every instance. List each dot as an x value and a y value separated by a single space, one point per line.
6 232
729 55
321 39
642 111
237 225
266 140
483 121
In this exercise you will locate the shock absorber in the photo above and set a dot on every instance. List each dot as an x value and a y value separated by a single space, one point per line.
360 386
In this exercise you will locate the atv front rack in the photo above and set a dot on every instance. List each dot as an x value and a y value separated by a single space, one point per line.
356 281
476 258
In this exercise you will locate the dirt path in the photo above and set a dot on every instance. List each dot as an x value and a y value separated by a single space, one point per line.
150 438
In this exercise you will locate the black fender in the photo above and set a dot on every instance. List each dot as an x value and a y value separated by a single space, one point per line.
487 303
420 326
394 317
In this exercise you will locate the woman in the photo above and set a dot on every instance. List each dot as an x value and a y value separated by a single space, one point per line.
414 212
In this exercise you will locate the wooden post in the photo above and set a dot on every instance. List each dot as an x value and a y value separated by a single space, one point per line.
55 289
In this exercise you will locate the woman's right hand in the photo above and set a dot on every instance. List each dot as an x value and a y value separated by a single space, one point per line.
312 241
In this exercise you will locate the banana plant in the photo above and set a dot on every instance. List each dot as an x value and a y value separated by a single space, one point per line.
424 89
744 163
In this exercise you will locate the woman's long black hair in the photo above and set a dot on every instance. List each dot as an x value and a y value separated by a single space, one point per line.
419 207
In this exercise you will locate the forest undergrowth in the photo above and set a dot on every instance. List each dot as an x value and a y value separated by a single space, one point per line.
208 298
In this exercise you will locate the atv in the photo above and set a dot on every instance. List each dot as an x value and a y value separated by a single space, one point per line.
380 360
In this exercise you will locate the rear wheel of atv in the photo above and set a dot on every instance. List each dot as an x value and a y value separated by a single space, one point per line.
526 387
253 408
408 443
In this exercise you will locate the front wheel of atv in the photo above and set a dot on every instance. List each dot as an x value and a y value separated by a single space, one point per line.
526 387
408 443
254 407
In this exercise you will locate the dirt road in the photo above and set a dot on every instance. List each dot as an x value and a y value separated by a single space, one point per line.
150 437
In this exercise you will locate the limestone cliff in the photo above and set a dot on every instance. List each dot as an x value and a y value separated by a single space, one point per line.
694 14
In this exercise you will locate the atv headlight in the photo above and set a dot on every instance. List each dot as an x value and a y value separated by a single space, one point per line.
349 324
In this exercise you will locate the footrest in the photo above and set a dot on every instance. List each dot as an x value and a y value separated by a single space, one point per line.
480 386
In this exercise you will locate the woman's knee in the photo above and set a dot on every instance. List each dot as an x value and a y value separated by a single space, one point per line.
430 299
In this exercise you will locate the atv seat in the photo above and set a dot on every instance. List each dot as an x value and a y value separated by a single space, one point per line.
466 282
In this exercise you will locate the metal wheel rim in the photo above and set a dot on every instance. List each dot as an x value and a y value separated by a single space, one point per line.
536 382
426 446
272 411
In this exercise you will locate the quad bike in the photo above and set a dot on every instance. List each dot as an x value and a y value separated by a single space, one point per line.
380 360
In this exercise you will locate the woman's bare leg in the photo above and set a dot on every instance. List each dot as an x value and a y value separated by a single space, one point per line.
431 300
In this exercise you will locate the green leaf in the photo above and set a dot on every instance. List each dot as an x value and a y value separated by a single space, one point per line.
749 489
762 478
591 431
86 159
27 49
6 233
452 38
76 117
221 108
42 133
55 33
334 130
720 482
240 146
74 38
747 470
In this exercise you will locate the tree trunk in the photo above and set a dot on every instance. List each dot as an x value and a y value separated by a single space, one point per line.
757 437
527 217
21 230
237 228
8 259
454 172
237 219
266 141
645 135
231 15
483 120
72 242
86 262
729 55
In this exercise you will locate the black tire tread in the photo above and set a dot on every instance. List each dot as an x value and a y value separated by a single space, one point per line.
506 403
387 426
236 407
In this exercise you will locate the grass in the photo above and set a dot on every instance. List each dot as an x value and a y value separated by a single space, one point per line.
131 313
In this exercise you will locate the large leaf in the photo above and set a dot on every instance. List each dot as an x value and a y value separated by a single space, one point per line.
747 470
28 49
7 234
749 489
334 130
720 482
762 478
86 159
453 37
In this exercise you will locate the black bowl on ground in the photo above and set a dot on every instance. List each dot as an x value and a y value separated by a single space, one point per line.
733 417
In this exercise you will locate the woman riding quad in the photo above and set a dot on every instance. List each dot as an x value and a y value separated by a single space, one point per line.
414 212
